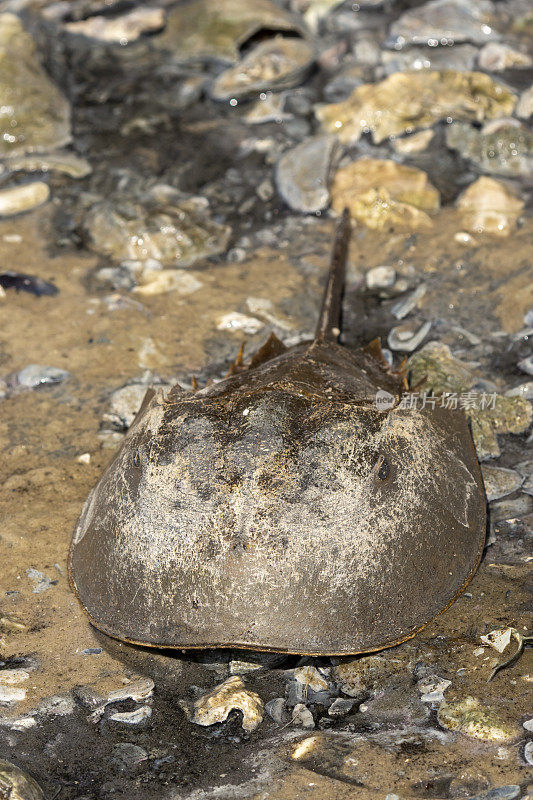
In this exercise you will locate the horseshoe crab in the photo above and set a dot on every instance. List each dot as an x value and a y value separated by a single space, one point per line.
283 508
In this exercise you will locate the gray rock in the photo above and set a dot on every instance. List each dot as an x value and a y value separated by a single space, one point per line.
510 509
526 365
302 174
500 793
36 375
203 29
124 405
445 22
127 756
397 705
344 82
496 57
500 482
501 147
462 58
277 710
522 390
340 707
35 115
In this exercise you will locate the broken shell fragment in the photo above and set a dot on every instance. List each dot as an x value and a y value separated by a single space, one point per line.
407 304
407 101
132 717
278 63
311 677
489 206
16 784
202 29
123 29
472 718
499 638
139 690
12 677
406 338
235 321
380 193
161 281
216 705
432 689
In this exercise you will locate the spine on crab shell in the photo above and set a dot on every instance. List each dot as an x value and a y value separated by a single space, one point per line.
328 327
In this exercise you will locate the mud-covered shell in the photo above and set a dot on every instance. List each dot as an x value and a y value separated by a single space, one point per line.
282 513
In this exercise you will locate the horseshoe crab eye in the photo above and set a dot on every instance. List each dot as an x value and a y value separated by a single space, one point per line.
382 468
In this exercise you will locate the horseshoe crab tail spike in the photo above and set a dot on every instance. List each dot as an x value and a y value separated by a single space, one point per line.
328 329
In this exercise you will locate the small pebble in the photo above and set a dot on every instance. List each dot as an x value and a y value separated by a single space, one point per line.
11 677
35 375
11 694
302 717
25 197
463 237
265 191
84 458
277 710
234 321
128 756
380 277
528 753
340 707
124 405
302 174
